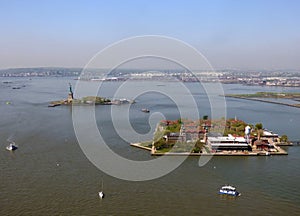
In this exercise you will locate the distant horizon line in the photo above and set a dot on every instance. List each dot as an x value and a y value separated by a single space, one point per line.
214 69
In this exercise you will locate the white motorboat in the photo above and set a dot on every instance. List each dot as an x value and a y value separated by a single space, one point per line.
229 190
101 195
11 147
145 110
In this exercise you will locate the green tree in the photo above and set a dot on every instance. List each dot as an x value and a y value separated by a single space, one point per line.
198 146
258 128
284 138
159 144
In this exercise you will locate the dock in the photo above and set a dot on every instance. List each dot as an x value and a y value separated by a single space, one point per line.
138 145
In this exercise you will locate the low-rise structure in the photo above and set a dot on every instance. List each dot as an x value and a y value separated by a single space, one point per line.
270 136
228 143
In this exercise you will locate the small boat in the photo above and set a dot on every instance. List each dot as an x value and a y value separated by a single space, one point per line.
11 147
229 190
145 110
100 193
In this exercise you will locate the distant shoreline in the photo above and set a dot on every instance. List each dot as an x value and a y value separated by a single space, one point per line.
262 100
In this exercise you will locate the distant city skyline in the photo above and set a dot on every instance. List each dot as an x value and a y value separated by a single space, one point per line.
230 34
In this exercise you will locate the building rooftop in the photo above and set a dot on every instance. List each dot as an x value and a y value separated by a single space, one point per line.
227 139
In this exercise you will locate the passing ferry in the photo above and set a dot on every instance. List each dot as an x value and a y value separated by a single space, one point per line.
229 190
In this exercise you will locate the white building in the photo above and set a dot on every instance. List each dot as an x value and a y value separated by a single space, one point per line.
228 143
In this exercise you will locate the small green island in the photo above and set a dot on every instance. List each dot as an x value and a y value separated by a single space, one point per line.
213 137
88 100
266 96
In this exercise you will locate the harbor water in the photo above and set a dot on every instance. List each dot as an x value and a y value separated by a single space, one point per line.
50 175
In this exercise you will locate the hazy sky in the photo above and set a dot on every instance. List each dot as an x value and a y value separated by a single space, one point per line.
232 34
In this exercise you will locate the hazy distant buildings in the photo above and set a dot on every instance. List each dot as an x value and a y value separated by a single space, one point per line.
264 78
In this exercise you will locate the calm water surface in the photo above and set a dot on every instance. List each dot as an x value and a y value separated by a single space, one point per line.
50 175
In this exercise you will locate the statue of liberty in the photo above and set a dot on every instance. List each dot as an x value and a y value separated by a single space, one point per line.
71 92
70 96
